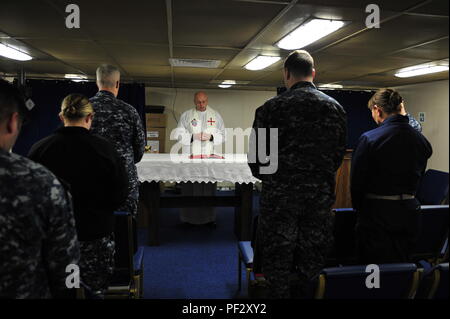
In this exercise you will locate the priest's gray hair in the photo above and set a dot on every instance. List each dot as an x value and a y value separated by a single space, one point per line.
107 76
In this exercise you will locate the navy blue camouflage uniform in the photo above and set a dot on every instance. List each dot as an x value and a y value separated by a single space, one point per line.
119 123
414 123
294 232
38 238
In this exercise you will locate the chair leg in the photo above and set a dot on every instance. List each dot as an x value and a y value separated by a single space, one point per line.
137 287
247 277
239 273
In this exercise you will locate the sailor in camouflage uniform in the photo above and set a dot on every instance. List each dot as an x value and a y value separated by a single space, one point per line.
119 123
38 239
294 232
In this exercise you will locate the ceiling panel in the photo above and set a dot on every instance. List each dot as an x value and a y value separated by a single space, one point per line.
135 20
71 50
436 7
151 71
33 18
219 23
242 75
48 67
186 74
433 51
139 54
390 37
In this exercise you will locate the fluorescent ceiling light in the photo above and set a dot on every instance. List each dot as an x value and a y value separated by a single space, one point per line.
76 77
195 63
227 84
261 62
308 33
331 86
12 53
420 70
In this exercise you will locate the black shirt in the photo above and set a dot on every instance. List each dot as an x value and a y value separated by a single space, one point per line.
94 172
389 160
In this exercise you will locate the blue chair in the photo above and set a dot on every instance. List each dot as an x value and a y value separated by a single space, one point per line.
433 188
434 283
397 281
433 233
128 274
245 256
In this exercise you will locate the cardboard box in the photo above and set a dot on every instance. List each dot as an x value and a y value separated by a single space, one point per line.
156 139
156 120
156 133
155 146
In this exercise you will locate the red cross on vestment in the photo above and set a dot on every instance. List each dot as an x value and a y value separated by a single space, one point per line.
211 121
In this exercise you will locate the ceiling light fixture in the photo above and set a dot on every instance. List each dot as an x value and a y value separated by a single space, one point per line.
308 33
331 86
227 84
261 62
76 77
421 69
195 63
12 53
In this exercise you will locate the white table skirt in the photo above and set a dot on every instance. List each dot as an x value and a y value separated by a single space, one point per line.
179 168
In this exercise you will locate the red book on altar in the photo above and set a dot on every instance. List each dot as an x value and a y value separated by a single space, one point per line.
212 156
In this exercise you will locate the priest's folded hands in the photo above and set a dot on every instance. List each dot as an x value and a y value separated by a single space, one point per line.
202 136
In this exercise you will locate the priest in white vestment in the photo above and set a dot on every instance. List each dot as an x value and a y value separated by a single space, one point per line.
206 128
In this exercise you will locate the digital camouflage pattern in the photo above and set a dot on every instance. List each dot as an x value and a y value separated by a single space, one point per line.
38 239
97 262
120 124
295 226
414 123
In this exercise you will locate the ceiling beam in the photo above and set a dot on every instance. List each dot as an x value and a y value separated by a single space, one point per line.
429 15
258 36
264 2
170 36
418 45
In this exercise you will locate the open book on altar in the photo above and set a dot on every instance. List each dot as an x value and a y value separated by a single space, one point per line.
204 156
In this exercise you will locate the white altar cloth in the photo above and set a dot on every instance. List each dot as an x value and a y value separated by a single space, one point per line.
179 168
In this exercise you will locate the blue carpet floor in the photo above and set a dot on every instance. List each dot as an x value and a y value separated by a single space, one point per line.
192 263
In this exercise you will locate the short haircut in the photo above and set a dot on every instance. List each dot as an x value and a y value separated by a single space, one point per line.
388 99
107 75
75 107
11 100
299 63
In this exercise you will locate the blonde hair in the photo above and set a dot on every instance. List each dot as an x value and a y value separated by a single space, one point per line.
75 107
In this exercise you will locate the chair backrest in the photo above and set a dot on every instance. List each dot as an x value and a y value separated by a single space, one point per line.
344 251
433 232
433 188
124 241
396 281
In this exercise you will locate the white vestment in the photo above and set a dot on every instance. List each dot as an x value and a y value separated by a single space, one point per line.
194 122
